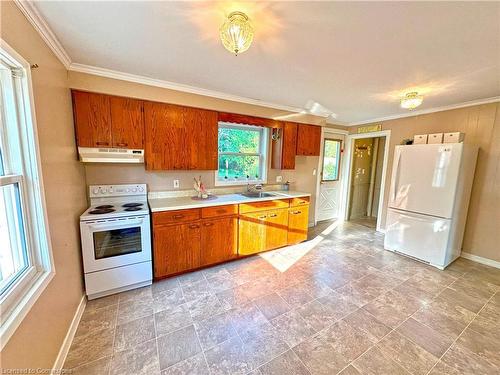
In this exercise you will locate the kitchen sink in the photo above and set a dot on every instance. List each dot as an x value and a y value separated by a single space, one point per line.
257 194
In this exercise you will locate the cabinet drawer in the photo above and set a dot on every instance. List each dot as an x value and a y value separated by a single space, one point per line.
230 209
264 206
177 216
299 201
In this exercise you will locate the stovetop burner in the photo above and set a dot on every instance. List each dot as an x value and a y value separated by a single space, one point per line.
104 206
100 211
132 205
134 208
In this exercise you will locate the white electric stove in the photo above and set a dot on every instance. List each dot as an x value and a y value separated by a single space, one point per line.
116 239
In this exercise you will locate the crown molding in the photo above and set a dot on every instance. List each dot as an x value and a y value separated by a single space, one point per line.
108 73
31 13
430 110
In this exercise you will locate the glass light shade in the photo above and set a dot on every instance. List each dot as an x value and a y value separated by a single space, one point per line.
236 33
411 100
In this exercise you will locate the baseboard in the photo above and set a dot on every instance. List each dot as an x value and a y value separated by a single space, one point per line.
63 352
478 259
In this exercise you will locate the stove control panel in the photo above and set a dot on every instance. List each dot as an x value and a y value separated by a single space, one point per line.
98 191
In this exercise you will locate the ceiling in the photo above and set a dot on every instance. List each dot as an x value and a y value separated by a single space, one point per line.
356 59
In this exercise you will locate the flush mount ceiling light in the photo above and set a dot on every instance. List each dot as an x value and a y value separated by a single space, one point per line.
236 33
411 100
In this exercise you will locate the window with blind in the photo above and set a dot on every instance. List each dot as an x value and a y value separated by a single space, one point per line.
25 254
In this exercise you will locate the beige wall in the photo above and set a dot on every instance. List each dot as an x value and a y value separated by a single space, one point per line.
301 178
481 125
38 339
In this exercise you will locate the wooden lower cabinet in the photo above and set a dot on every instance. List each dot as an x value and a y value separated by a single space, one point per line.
219 240
261 231
184 240
298 220
177 248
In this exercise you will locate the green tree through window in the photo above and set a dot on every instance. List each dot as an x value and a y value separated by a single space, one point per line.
241 153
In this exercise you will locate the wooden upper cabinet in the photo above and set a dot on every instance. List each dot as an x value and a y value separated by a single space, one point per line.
92 116
284 148
203 130
108 121
178 137
127 123
308 140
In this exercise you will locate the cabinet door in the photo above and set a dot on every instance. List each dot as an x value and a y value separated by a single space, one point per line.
219 240
202 131
298 220
252 233
285 147
276 225
176 248
166 137
289 145
92 118
127 123
308 140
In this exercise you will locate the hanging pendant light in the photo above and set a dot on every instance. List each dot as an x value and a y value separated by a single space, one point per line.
236 33
411 100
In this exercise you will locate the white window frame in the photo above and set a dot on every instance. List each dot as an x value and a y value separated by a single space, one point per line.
263 154
22 158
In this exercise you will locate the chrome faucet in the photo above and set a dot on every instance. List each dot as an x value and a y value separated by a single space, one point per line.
256 187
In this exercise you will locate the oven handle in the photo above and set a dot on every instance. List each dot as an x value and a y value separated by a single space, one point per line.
115 224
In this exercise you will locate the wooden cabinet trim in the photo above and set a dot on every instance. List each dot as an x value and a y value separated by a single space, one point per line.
248 120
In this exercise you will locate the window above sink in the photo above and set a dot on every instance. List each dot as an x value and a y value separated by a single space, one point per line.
242 154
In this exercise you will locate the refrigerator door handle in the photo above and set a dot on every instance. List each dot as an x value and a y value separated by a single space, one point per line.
396 177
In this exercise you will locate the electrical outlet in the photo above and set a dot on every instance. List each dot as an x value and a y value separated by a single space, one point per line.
176 184
279 178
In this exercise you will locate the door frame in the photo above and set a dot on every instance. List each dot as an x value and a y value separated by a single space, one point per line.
326 133
346 182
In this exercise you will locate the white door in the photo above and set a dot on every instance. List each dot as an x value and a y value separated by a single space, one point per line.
424 178
329 190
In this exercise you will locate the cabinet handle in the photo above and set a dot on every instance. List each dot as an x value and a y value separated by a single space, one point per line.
122 144
221 211
208 224
262 217
178 216
296 212
102 143
194 226
273 215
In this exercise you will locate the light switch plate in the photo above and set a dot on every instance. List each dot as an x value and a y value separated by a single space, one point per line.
176 184
314 172
279 178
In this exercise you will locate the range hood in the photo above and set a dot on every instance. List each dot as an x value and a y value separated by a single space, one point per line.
110 155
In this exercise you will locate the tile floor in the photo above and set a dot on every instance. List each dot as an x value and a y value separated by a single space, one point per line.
338 303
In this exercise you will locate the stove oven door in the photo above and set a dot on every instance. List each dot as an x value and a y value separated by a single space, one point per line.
116 242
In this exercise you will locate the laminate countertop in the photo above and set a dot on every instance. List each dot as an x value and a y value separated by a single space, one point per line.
158 204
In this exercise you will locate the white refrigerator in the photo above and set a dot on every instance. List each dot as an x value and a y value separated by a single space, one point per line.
428 201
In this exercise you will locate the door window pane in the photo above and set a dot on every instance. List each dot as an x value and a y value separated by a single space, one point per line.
331 160
116 242
13 251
